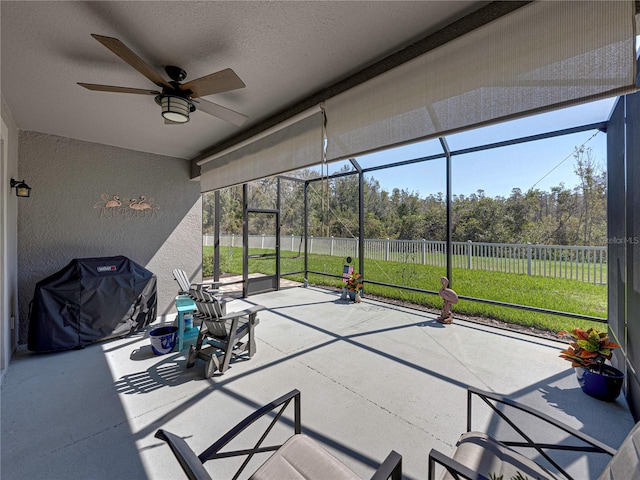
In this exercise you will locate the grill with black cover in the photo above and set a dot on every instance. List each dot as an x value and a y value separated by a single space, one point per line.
89 300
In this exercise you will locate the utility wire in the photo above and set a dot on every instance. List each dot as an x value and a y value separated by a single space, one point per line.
565 159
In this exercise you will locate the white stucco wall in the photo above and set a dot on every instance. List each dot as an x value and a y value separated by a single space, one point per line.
64 218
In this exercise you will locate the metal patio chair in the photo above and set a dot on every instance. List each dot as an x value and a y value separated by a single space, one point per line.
222 335
300 457
529 435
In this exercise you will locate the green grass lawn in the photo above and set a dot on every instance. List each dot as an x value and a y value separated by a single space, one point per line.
536 291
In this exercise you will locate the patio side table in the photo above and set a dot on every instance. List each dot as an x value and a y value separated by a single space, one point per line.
184 304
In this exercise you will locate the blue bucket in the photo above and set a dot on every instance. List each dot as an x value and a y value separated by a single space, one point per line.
163 339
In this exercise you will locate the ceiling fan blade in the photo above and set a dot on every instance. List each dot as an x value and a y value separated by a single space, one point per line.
222 81
122 51
111 88
222 113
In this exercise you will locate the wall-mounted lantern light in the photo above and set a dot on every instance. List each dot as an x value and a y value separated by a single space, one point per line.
22 189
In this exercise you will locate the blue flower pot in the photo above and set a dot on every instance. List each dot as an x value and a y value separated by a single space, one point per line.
163 339
352 295
603 386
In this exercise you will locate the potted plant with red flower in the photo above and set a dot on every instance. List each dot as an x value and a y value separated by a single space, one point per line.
354 285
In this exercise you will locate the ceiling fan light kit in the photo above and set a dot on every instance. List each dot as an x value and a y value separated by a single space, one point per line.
175 109
176 98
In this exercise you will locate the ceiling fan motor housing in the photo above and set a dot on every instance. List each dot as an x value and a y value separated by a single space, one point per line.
175 73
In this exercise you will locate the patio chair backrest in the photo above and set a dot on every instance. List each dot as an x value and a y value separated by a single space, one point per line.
210 311
214 302
216 328
181 278
201 305
196 294
299 457
477 452
625 464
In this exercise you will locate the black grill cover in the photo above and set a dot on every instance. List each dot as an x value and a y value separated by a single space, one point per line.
91 299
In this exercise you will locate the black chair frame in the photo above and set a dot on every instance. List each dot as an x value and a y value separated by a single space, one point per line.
192 465
457 470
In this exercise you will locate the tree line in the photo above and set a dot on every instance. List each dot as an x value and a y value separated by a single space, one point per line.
563 215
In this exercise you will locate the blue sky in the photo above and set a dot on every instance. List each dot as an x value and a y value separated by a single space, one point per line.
544 163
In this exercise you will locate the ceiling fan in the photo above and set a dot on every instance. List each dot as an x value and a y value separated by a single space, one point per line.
176 99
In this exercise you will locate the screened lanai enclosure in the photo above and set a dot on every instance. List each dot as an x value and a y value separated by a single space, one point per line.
307 224
516 183
404 221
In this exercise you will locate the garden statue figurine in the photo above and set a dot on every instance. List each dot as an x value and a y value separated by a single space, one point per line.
450 298
344 295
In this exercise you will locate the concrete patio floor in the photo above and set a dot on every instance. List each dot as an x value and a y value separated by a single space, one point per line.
373 378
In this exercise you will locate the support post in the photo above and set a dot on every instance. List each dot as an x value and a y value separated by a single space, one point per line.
447 152
306 233
360 218
245 238
217 213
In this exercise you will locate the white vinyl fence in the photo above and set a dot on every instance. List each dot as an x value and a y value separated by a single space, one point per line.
587 264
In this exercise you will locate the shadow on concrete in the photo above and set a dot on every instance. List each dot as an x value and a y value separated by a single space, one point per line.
83 410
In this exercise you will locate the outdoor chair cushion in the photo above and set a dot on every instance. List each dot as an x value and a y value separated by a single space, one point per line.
301 458
625 464
481 453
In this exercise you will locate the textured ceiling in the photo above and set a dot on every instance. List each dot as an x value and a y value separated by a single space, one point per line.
283 51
